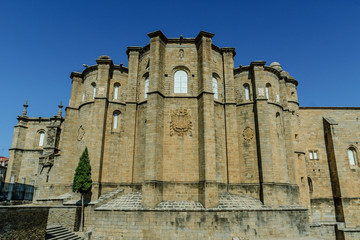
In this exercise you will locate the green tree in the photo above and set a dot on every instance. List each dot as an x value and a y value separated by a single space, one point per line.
82 180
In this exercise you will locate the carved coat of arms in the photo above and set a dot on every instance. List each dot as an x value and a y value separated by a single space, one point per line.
248 134
180 122
81 133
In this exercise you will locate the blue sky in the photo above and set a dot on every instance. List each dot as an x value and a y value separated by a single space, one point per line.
42 42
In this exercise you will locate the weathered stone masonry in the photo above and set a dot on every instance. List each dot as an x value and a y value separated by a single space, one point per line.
181 127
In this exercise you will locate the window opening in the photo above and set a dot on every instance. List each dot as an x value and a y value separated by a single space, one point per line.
247 92
180 82
146 87
352 156
116 91
41 139
94 89
215 87
115 120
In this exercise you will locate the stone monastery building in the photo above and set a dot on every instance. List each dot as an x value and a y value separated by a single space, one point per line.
182 134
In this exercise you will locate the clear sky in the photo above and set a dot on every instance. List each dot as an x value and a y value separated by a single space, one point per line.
42 42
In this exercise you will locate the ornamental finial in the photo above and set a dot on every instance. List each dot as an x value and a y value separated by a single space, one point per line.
24 112
60 111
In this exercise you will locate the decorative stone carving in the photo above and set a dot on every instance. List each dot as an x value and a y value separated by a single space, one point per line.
261 92
248 134
101 90
180 122
81 133
51 135
181 53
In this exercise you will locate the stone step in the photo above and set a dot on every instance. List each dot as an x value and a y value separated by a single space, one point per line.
59 232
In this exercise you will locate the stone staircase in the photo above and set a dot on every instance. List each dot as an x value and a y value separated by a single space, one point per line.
59 232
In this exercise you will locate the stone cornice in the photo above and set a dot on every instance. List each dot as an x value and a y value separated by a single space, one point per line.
294 102
181 40
216 48
291 80
23 149
89 69
141 50
86 71
33 119
204 34
104 60
257 63
133 49
272 70
75 74
83 73
121 68
159 34
241 69
228 49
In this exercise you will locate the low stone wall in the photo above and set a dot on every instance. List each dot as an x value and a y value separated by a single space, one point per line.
22 222
30 222
247 224
68 217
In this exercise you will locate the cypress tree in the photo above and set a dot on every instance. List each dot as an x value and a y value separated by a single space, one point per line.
82 180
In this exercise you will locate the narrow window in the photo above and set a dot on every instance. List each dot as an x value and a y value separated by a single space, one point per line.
215 87
116 90
115 120
94 89
310 183
315 155
268 90
180 82
41 139
247 91
352 156
83 98
146 87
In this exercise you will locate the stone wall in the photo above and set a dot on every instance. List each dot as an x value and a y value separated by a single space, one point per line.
68 217
327 232
274 224
23 222
30 222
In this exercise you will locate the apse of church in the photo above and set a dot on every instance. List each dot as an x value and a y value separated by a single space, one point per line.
180 123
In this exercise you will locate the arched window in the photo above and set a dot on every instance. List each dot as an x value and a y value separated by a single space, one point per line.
352 156
310 183
247 91
116 117
215 87
94 89
41 137
146 87
116 91
180 82
268 90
